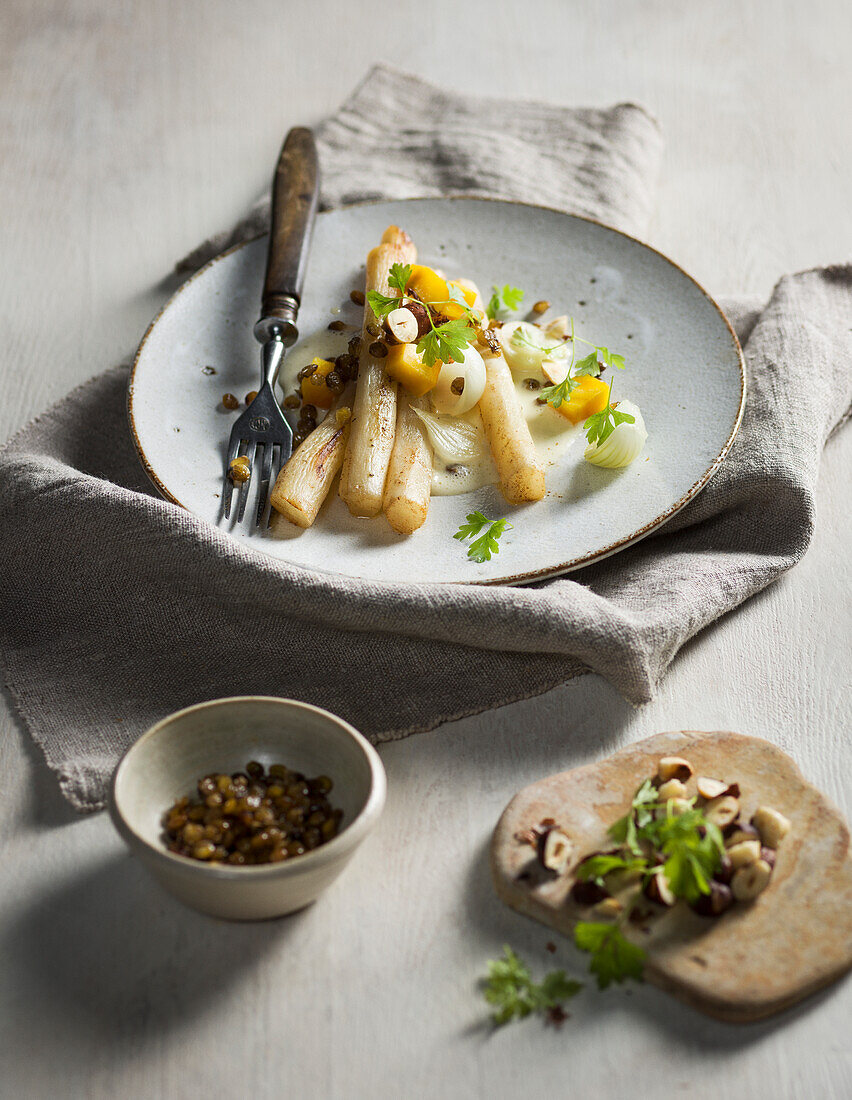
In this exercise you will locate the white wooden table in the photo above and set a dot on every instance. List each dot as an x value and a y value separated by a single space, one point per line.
128 133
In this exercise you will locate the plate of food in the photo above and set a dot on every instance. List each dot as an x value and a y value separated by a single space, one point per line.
482 392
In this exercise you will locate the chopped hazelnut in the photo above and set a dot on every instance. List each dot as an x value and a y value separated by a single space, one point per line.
716 902
401 325
772 825
751 880
672 788
674 767
710 788
554 849
722 811
740 855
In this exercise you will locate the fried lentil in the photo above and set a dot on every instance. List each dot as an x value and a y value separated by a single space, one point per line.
252 817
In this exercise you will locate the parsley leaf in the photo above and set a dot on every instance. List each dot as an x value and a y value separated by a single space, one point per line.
475 522
487 544
381 304
446 342
398 276
601 425
693 847
614 958
520 337
641 814
457 296
555 395
510 989
588 365
509 298
597 867
610 358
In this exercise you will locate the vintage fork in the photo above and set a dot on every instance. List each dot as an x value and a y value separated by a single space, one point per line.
262 429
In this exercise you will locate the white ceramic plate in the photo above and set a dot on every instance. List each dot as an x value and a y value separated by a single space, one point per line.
684 370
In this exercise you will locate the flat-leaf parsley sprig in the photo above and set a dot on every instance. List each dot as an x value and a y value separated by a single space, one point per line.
446 341
601 425
614 958
510 988
488 543
599 357
507 298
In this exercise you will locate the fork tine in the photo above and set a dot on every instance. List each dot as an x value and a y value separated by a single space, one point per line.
266 474
273 477
246 485
234 444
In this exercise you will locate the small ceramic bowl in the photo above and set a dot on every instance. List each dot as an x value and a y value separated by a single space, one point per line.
222 736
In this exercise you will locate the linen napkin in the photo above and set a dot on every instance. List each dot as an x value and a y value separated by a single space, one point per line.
117 607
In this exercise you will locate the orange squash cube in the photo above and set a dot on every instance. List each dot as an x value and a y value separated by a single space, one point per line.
405 365
314 389
427 285
451 310
588 397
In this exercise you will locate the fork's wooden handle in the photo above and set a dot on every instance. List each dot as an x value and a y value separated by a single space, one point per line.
295 196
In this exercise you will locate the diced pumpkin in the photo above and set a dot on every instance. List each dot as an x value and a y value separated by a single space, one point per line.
314 389
589 396
453 309
427 285
405 365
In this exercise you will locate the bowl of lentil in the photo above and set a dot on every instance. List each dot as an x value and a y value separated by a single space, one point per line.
249 807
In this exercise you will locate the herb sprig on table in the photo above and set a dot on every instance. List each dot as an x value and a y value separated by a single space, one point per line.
510 989
679 843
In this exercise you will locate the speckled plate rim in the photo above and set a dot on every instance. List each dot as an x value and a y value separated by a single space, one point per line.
344 843
520 578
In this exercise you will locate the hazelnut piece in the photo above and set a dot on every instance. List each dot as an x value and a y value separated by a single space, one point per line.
554 849
722 811
747 851
588 893
674 767
401 325
678 806
716 902
608 908
672 788
738 831
558 328
772 825
710 788
751 880
725 870
657 889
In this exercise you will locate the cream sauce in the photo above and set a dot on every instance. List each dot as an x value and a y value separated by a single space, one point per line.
552 434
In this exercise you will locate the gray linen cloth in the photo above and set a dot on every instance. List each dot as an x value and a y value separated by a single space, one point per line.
117 607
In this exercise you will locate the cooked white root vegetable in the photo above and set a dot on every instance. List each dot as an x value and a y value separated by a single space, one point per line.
520 469
409 481
368 451
303 484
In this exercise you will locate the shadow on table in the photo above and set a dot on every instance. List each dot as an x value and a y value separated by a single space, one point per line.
110 957
496 924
